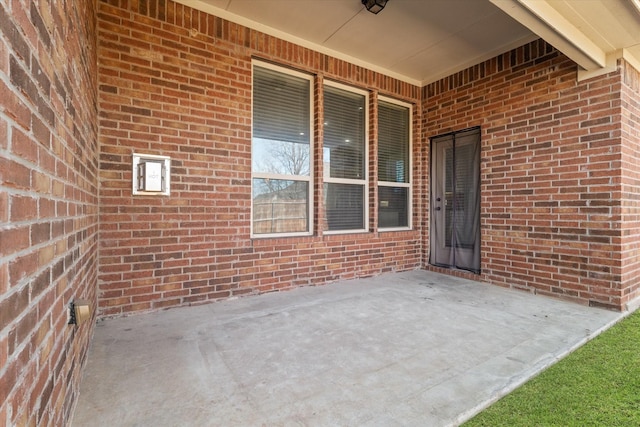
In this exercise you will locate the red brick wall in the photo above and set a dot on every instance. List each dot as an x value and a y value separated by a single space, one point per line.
630 183
550 172
48 204
176 81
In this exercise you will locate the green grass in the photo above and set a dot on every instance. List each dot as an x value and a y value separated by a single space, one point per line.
597 385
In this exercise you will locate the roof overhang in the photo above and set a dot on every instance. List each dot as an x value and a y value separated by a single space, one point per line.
421 41
594 45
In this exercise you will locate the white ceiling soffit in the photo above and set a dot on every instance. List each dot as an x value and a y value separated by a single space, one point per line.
593 33
421 41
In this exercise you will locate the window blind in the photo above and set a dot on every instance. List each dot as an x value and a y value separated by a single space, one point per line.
344 157
393 142
344 136
280 106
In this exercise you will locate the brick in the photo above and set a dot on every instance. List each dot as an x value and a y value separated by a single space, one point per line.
40 131
14 174
7 382
40 283
21 80
40 232
14 35
4 278
38 22
41 182
4 208
22 267
46 254
4 141
25 325
23 208
13 240
13 305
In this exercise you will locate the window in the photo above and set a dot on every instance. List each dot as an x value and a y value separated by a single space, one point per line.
394 166
345 158
281 152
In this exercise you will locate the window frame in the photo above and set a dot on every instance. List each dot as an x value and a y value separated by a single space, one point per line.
301 178
409 184
347 181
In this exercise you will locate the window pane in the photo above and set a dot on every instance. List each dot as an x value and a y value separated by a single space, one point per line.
281 104
393 143
280 157
344 134
280 206
393 208
344 206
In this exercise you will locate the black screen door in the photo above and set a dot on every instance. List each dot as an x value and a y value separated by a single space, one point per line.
455 200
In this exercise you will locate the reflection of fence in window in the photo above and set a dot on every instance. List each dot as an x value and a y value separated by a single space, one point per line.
280 216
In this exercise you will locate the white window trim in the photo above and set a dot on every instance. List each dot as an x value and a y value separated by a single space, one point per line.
409 184
365 180
301 178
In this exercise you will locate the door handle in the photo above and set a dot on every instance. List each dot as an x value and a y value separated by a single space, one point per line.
438 208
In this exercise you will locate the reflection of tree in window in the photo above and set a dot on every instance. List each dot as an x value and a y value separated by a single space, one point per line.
279 189
280 157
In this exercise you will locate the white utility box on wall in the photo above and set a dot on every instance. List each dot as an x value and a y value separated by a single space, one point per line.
151 174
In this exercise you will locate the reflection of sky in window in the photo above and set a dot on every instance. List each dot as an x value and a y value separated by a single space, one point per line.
399 171
280 157
326 160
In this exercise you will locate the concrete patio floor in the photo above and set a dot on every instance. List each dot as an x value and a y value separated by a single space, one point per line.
404 349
